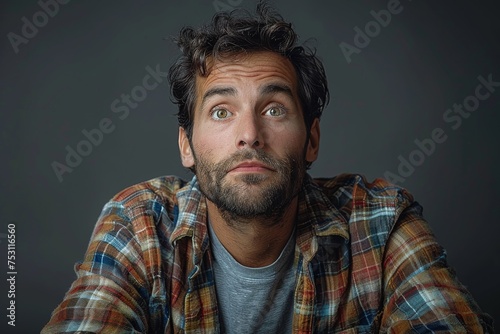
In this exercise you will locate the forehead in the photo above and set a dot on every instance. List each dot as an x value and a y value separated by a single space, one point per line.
252 68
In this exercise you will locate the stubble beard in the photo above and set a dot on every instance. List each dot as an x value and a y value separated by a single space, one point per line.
251 196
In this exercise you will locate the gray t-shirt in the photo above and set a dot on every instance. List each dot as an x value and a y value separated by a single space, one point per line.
254 300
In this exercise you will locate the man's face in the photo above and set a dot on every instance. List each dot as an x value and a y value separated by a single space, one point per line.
249 142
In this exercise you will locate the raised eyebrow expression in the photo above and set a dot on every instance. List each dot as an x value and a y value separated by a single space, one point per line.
270 89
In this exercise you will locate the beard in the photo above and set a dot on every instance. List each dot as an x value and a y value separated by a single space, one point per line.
251 195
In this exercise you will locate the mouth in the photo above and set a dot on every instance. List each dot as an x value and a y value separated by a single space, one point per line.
250 167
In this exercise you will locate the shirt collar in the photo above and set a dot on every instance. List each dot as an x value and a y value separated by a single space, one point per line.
317 217
191 218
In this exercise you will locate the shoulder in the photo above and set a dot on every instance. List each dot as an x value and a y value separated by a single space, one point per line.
356 189
158 190
375 203
144 204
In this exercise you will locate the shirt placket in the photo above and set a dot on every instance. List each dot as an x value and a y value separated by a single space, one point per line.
200 301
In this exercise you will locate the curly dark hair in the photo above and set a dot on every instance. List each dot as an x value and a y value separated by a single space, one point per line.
239 32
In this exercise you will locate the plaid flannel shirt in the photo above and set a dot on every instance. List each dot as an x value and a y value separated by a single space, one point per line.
366 262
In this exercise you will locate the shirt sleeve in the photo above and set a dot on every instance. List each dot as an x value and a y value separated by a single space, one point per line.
422 293
112 292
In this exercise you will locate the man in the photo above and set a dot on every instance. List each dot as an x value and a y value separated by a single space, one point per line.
253 244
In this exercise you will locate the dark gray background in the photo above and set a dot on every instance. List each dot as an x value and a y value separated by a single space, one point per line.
393 92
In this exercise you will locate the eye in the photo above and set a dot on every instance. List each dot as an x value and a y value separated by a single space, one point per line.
220 113
275 111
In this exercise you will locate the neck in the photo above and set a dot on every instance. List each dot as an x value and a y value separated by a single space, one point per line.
254 242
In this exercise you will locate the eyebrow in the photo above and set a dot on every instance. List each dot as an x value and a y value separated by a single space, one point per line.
275 88
224 91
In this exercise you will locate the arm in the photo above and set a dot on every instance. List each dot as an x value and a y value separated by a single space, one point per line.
422 294
112 291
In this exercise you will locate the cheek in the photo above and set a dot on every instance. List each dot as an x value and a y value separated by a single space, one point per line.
211 136
206 145
288 136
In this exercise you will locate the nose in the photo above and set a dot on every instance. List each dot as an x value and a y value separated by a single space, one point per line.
250 134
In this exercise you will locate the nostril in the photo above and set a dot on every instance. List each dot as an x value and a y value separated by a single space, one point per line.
256 143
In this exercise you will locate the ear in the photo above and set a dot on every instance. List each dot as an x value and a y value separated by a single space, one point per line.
187 157
313 144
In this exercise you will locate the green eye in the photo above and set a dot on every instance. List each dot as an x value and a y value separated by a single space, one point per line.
275 111
221 113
